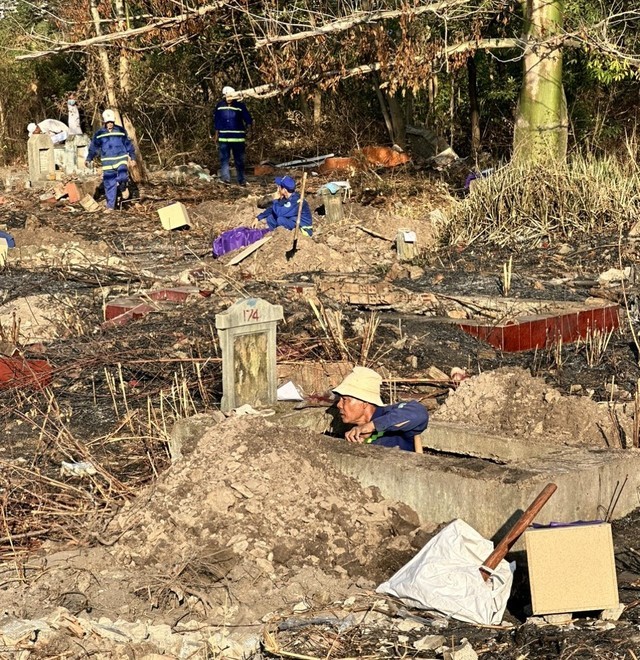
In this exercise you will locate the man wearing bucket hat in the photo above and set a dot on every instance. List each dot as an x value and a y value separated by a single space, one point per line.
116 152
374 423
230 122
283 211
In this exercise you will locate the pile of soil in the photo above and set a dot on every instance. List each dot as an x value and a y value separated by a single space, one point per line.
270 261
40 318
511 402
258 510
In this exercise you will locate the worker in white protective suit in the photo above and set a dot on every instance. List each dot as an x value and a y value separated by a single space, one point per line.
58 131
73 116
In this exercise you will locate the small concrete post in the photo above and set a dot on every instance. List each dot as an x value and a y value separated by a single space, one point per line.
332 206
406 245
75 154
41 157
247 332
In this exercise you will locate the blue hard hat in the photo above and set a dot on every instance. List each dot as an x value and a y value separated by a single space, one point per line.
286 182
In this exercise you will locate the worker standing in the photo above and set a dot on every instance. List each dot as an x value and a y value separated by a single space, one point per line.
115 149
231 119
360 404
73 116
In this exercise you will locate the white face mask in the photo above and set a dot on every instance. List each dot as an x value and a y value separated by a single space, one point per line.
71 102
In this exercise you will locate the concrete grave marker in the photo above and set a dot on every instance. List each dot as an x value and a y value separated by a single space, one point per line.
406 245
41 159
247 332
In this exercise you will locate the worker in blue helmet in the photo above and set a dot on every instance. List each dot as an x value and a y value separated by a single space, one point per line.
283 211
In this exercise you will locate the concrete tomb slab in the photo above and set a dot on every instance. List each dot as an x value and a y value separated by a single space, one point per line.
247 332
41 156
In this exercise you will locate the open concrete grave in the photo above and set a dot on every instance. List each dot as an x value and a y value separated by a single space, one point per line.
485 479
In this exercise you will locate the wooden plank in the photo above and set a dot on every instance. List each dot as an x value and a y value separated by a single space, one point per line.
249 250
373 233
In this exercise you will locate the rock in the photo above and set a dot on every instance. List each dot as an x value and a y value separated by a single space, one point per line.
14 631
110 631
558 619
612 614
186 433
429 643
234 646
407 625
536 621
403 518
463 652
160 636
565 248
614 275
603 625
415 272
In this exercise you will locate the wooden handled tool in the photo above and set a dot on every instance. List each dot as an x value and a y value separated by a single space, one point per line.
289 253
517 530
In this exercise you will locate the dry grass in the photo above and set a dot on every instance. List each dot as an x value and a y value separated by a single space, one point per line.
525 205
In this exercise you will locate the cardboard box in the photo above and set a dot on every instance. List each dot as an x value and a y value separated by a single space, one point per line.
174 216
571 568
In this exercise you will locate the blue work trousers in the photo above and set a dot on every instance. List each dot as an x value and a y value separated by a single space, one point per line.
226 149
114 180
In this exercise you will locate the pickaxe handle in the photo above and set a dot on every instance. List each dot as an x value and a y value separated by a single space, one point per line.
517 530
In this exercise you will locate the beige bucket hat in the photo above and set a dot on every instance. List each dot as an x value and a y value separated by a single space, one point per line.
363 384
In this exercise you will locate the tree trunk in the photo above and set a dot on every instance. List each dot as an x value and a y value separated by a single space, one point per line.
103 58
385 110
541 129
474 107
138 171
125 75
397 121
317 107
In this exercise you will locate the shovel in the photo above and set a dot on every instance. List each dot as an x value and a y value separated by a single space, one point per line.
294 247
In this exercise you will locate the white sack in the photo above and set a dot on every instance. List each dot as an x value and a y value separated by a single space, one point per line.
445 576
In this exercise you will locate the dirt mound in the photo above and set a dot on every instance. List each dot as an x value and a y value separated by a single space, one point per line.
219 216
258 510
270 261
511 402
39 318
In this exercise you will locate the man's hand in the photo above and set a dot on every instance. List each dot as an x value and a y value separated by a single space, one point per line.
360 433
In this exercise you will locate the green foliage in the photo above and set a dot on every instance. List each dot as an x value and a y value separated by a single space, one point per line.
608 69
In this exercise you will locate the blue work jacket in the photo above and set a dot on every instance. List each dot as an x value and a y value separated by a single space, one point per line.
231 120
283 213
114 147
398 424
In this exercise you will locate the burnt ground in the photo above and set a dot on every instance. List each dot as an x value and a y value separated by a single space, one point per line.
116 391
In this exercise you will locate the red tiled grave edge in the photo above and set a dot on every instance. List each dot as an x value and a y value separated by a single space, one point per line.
541 331
18 372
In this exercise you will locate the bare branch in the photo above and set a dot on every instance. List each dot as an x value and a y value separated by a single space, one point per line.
161 23
362 17
272 89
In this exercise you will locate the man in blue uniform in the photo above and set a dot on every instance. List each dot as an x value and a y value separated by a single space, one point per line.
230 122
374 423
283 211
116 152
